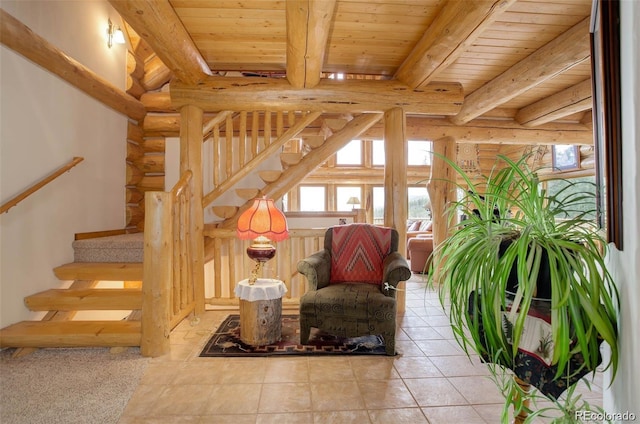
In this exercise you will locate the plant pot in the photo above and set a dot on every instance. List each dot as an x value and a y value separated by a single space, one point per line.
533 361
543 284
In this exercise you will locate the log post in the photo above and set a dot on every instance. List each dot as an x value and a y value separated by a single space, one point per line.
260 321
156 286
191 119
395 182
441 188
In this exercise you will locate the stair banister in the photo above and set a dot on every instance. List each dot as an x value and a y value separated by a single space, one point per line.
166 250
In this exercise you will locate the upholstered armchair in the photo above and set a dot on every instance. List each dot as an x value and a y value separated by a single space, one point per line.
351 284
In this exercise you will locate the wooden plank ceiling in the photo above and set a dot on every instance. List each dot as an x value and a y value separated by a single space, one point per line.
519 59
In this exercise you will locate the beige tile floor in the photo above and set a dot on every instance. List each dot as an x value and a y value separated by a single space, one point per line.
431 380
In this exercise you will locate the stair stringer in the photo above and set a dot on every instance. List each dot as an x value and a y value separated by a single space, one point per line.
312 160
252 166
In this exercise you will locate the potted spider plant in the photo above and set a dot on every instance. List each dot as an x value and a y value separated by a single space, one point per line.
525 278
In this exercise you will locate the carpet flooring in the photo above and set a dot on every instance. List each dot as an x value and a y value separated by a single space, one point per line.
83 386
226 342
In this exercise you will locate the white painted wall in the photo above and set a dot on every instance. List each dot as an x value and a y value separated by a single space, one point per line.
623 396
44 123
229 198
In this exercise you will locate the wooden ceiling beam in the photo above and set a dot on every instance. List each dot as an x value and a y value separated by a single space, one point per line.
308 24
490 131
18 37
560 54
157 23
456 27
346 96
564 103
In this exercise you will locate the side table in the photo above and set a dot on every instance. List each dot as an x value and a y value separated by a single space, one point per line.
260 310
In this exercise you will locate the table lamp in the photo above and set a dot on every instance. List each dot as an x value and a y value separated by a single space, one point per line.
262 223
353 201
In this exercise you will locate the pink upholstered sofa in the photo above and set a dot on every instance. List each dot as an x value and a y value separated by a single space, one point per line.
419 250
419 244
419 226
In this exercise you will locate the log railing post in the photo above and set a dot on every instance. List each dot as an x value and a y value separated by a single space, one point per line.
157 275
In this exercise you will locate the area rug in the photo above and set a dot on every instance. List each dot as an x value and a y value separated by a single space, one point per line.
226 342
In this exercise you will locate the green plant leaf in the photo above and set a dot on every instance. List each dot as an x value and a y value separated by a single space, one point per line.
474 267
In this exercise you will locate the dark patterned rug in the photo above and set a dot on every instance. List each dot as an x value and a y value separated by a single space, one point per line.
226 342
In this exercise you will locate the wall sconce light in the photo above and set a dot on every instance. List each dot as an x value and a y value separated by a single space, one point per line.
114 35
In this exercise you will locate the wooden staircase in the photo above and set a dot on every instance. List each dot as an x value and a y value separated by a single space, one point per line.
299 154
58 329
290 154
312 152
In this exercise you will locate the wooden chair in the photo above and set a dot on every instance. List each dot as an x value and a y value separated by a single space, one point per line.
352 284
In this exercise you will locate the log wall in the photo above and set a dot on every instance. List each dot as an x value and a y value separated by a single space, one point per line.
145 152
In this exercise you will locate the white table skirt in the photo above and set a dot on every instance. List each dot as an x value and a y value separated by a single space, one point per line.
263 289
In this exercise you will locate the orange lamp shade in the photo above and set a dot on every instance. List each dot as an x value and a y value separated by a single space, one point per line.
263 219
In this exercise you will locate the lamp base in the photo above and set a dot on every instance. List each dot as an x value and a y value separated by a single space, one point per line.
260 251
255 272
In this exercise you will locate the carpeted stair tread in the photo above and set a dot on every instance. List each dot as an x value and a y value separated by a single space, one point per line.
119 248
105 271
85 300
71 334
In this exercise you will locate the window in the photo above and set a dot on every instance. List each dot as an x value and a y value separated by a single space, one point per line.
344 193
351 154
565 157
377 153
418 199
378 205
312 198
419 152
573 187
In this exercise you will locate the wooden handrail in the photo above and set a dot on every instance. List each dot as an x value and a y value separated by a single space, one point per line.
11 203
182 184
